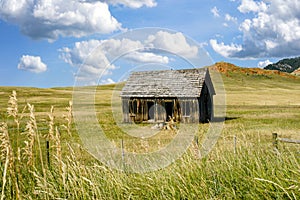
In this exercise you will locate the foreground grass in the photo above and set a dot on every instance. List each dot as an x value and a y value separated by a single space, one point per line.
243 164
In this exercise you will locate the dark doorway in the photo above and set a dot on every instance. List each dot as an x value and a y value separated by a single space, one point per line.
205 105
208 106
169 110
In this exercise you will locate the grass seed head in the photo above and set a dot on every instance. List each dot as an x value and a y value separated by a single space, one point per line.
5 146
12 109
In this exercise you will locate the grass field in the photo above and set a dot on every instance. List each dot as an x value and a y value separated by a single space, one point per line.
242 165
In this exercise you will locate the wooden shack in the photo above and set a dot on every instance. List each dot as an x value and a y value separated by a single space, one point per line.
186 95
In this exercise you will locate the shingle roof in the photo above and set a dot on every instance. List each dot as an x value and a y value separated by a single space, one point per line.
165 83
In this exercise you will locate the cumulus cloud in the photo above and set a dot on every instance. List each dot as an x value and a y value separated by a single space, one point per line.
118 47
274 31
94 56
263 64
107 81
172 42
147 57
252 6
229 18
90 62
215 11
52 19
225 50
133 3
32 64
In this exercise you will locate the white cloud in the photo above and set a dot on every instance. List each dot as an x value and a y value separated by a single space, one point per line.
32 64
94 56
270 44
215 11
274 31
51 19
133 3
263 64
172 42
225 50
107 81
91 63
118 47
229 18
252 6
147 57
246 25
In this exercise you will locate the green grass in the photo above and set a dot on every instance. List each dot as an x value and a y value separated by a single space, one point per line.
257 106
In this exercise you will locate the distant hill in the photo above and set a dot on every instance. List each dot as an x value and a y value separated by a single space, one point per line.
288 65
228 68
297 72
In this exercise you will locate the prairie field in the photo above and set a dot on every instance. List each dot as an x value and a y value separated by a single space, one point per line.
42 155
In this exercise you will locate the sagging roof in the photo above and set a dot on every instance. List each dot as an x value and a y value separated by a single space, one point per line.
167 83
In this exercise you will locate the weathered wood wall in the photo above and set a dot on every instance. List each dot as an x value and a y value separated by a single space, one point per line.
185 110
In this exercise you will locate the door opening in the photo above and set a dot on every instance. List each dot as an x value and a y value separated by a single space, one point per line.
169 106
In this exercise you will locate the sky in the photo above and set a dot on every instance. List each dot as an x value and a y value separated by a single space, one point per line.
55 43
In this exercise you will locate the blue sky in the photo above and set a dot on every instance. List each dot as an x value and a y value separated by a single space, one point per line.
45 42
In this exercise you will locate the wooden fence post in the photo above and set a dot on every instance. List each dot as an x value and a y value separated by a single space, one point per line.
48 153
196 140
234 144
123 155
275 141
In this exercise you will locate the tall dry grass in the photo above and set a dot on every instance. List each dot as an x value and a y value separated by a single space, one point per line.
252 172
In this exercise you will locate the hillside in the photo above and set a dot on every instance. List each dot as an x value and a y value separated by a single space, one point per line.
288 65
296 72
228 68
242 164
234 78
255 86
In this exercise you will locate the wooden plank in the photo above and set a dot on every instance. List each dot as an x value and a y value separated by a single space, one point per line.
125 107
145 110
